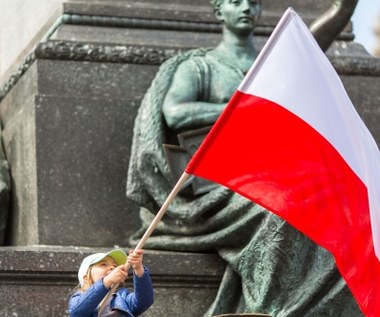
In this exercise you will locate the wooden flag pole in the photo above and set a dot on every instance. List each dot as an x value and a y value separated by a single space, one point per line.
148 232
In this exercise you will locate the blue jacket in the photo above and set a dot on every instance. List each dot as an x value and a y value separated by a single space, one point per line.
130 304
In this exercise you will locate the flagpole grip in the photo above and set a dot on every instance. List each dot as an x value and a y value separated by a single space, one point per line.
148 232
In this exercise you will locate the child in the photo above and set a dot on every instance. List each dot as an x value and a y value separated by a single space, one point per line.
98 272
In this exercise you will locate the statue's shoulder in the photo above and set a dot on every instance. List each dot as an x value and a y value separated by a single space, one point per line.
187 57
203 60
190 60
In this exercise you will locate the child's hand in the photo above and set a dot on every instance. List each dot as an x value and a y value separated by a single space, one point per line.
117 276
135 259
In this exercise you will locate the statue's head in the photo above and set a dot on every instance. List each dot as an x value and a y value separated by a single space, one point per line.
217 3
224 9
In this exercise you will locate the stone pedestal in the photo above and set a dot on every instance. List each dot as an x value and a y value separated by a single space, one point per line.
67 131
68 114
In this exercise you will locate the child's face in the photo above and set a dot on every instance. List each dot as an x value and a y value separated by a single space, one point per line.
102 268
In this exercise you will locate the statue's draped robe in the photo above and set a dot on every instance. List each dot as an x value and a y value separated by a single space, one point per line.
271 267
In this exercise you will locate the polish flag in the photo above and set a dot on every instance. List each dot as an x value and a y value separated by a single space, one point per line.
291 140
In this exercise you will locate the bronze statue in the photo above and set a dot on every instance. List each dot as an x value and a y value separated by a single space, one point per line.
271 267
4 192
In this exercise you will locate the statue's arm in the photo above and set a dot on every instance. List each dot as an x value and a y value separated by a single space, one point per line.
329 25
181 107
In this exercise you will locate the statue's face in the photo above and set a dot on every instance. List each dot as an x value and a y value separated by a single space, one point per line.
240 16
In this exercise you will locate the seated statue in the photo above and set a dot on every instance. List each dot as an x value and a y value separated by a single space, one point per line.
271 267
5 185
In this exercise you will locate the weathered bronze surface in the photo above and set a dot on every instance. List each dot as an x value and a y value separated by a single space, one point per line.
327 27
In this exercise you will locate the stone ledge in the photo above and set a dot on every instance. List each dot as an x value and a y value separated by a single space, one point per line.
42 277
66 259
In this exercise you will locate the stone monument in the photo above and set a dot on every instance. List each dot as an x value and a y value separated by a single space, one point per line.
67 116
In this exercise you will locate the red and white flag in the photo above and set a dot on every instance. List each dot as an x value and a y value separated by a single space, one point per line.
291 140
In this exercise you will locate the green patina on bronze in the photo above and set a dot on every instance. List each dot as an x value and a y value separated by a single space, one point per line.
271 267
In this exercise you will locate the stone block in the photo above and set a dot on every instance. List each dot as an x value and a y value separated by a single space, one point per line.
37 281
68 141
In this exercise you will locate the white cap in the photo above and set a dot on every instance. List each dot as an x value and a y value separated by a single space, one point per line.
118 255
